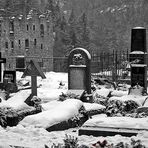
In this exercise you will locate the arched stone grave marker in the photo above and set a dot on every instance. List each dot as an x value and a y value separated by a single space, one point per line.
79 75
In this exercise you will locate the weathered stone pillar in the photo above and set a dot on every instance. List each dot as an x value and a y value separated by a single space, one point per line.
138 57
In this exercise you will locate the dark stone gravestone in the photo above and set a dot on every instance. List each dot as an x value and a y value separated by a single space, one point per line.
33 69
20 63
138 58
79 75
10 75
9 81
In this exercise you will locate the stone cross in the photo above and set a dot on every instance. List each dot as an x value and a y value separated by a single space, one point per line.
2 60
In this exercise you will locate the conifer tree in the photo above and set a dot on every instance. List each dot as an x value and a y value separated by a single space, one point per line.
72 29
82 32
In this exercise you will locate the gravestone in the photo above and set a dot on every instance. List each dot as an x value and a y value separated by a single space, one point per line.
20 63
9 81
79 75
33 69
138 57
10 75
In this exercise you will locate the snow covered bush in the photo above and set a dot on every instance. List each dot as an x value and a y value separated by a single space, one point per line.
119 108
65 96
93 108
104 144
72 142
69 142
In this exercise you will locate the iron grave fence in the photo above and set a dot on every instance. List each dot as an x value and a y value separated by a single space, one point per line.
113 65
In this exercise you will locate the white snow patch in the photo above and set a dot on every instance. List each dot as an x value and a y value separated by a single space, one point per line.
93 106
121 122
47 94
102 92
50 105
17 101
137 52
53 80
119 93
138 99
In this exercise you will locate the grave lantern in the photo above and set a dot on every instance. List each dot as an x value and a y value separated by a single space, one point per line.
138 57
20 63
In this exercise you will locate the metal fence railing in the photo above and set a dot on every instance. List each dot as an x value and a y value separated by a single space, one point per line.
112 64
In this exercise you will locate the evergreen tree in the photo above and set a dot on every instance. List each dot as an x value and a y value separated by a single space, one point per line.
8 4
82 32
50 5
72 19
72 29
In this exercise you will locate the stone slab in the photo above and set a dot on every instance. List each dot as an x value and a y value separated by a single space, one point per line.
109 131
143 109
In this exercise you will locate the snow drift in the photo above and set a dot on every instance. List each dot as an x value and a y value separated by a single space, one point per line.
62 112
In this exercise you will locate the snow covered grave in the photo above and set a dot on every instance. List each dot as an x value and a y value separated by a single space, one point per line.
110 126
114 121
61 112
17 100
15 109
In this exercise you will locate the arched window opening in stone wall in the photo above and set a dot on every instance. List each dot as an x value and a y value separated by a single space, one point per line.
42 30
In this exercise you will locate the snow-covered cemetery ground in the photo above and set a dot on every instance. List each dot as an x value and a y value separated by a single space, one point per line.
32 131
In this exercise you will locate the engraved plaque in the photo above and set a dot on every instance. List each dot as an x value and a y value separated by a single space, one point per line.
78 77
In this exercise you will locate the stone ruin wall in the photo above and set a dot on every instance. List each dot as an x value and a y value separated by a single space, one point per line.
16 30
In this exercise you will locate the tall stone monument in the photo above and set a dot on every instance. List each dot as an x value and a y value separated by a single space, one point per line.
138 57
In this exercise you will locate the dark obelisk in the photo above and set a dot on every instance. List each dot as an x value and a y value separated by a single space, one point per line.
138 57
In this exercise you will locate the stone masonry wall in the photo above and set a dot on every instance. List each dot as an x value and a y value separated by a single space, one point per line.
30 36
